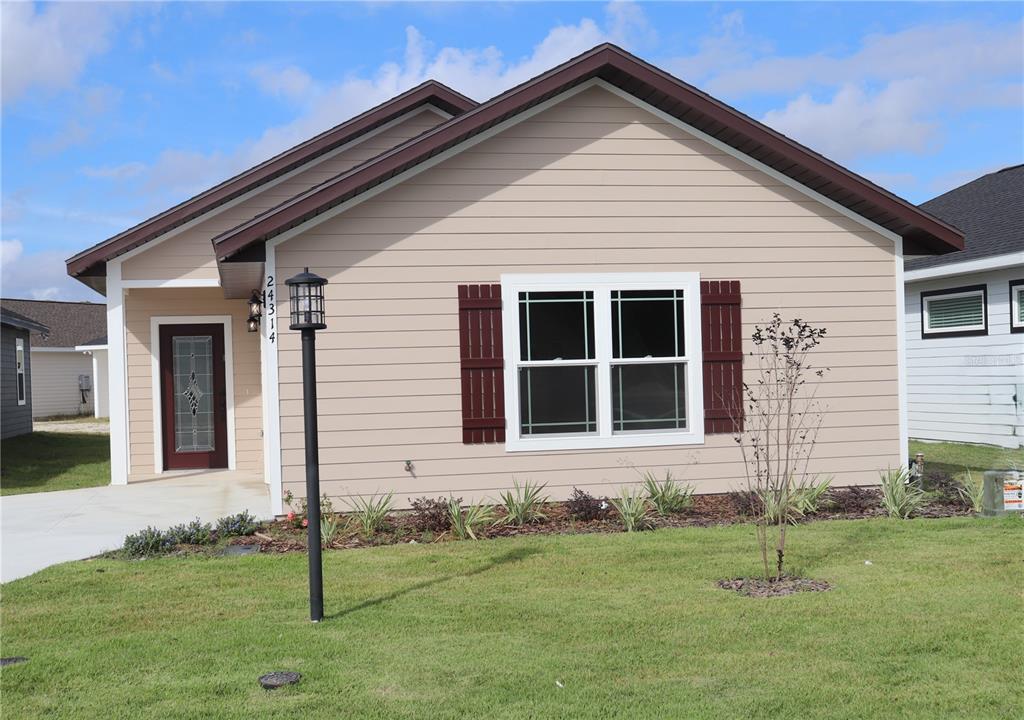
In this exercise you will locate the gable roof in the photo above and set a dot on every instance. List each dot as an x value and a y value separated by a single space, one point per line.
17 320
921 231
91 262
67 323
989 210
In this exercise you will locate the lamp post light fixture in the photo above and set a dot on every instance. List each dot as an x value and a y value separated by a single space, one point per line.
306 300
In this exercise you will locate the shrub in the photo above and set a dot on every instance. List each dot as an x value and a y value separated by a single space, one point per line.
300 508
633 508
241 524
584 506
329 529
148 542
972 492
899 497
371 513
194 533
522 503
466 521
431 514
792 504
667 496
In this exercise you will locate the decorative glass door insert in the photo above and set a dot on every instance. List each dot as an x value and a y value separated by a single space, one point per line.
193 393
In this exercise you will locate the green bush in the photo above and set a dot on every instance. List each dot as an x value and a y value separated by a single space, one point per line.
633 508
371 513
523 503
148 542
465 522
237 525
900 497
667 496
193 533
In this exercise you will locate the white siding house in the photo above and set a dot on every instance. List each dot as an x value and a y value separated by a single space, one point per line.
964 321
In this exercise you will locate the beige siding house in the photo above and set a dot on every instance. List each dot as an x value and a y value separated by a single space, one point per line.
558 284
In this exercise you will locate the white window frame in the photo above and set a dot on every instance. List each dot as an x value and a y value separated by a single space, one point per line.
930 297
602 285
21 381
1016 302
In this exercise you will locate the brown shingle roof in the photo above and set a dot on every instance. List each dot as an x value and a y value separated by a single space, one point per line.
69 323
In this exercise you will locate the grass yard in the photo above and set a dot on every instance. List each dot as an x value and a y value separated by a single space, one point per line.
45 461
955 458
630 624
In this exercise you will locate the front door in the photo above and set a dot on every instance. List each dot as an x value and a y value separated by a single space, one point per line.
193 396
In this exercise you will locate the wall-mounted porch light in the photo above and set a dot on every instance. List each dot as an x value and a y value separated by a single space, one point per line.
255 311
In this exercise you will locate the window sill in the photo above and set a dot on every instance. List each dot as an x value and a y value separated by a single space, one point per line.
593 442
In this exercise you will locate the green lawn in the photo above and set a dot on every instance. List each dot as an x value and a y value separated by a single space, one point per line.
954 458
45 461
631 625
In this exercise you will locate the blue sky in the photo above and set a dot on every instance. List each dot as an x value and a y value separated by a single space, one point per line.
113 112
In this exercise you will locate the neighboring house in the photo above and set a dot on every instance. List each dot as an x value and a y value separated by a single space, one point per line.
16 333
965 319
556 285
67 378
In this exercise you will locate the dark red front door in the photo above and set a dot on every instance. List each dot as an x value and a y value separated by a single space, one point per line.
193 396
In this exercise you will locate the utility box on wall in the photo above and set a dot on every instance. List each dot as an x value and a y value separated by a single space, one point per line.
1003 492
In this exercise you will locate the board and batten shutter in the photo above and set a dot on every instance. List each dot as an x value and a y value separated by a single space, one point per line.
722 338
482 364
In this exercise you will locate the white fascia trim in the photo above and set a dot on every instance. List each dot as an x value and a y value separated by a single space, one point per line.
117 378
89 348
996 262
427 164
272 183
175 283
54 349
756 164
602 284
269 377
229 379
527 114
901 356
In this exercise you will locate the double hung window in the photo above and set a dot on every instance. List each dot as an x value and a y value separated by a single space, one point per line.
602 360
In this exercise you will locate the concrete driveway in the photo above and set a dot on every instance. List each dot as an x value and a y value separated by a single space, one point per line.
42 529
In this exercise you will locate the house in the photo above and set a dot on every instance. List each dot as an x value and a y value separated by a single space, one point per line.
965 319
69 361
557 284
16 333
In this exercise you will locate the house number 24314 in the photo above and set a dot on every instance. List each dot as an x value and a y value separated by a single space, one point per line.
270 308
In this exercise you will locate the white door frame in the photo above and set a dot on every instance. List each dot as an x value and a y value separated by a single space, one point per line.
229 379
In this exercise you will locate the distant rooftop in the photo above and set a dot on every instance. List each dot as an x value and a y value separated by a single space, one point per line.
69 323
989 211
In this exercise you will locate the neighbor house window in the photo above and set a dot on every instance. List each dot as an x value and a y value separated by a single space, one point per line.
19 359
954 312
602 360
1017 306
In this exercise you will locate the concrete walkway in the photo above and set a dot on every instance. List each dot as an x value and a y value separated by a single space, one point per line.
42 529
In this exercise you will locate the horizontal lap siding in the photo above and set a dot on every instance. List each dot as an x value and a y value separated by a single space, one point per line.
140 307
55 383
190 255
15 419
967 389
563 193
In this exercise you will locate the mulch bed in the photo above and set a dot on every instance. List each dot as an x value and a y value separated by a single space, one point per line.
707 510
761 588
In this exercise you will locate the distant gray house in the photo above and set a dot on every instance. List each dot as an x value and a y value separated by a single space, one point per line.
69 363
16 333
965 319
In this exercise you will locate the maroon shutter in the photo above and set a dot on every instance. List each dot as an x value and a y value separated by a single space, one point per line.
722 336
483 383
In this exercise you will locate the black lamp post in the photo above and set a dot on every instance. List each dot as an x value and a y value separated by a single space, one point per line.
306 299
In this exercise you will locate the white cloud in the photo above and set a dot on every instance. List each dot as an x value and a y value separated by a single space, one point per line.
289 82
39 276
114 172
72 133
891 94
49 46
